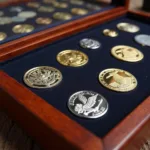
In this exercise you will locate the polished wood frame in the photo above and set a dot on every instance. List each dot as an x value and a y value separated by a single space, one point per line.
53 129
25 44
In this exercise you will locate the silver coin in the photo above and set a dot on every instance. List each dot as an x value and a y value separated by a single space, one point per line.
18 19
27 14
89 43
42 77
16 9
88 104
143 39
5 20
1 13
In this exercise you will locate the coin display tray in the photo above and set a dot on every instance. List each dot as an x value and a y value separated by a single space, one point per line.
86 77
7 28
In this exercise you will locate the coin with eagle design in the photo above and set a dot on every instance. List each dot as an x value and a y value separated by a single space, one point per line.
88 104
42 77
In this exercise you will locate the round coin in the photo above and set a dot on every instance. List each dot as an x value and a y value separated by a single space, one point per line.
89 43
118 80
128 27
88 104
143 39
48 1
5 20
2 36
111 33
18 19
46 9
62 16
93 7
23 28
79 11
77 2
33 4
44 21
127 53
60 4
27 14
42 77
16 9
1 13
72 58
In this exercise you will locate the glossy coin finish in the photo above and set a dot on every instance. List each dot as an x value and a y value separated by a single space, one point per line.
143 39
27 14
72 58
127 27
111 33
46 9
77 2
62 16
79 11
118 80
42 77
2 36
90 43
93 7
127 53
33 4
44 21
60 4
5 20
23 28
18 19
1 13
88 104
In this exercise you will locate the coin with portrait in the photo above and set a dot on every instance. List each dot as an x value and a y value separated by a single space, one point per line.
127 53
72 58
118 80
111 33
79 11
2 36
43 20
62 16
23 28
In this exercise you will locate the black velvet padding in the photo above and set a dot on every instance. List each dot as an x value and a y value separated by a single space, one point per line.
13 36
86 77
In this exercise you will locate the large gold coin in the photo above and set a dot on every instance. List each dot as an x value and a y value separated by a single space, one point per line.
33 4
60 4
42 20
117 80
73 58
111 33
127 53
128 27
2 36
23 28
79 11
62 16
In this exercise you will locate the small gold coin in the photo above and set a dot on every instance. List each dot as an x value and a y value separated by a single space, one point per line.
33 4
111 33
127 27
73 58
127 53
46 9
79 11
62 16
23 28
2 36
60 4
118 80
42 20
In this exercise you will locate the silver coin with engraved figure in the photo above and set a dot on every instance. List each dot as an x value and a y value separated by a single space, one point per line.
42 77
89 43
88 104
143 39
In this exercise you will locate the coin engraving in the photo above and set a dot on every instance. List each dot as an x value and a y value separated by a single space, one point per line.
143 39
60 4
73 58
23 28
88 104
111 33
117 80
42 77
79 11
127 53
27 14
42 20
62 16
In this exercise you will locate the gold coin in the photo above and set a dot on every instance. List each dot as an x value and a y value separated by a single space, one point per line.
62 16
79 11
118 80
23 28
127 53
128 27
2 36
42 20
111 33
77 2
46 9
33 4
60 4
73 58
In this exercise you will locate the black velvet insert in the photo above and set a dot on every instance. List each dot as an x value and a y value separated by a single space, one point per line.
13 36
86 77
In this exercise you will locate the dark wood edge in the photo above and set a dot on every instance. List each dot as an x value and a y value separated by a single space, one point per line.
31 42
43 120
140 13
125 130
